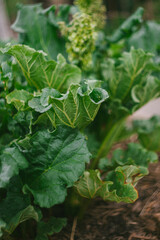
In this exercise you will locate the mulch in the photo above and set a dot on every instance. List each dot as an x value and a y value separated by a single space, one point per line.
113 221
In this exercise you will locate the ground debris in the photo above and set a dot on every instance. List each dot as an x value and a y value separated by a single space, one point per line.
112 221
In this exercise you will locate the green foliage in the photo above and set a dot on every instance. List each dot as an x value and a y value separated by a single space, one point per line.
80 48
54 225
41 32
15 207
45 140
76 108
148 132
147 37
22 216
11 161
135 155
130 84
91 185
128 27
95 9
124 169
54 165
35 66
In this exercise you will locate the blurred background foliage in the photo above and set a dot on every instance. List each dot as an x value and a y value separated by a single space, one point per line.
117 10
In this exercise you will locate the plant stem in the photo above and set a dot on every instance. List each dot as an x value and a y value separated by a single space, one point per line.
108 142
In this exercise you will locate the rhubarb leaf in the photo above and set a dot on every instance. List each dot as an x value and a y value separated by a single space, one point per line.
149 132
115 188
135 155
11 162
42 73
43 33
57 159
54 225
128 27
22 216
76 108
19 98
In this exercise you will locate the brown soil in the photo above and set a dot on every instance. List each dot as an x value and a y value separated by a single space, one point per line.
112 221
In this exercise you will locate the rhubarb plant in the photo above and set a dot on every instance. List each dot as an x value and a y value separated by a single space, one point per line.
61 121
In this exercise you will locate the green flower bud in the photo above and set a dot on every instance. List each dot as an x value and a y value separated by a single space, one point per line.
81 37
95 9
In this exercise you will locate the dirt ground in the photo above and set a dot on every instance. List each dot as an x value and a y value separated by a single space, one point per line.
112 221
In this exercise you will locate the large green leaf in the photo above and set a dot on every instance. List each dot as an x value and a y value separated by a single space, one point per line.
135 155
76 108
57 160
42 73
128 27
133 67
129 83
147 37
42 33
54 225
11 162
149 132
116 188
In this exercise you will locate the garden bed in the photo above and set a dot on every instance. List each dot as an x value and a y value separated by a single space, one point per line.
113 221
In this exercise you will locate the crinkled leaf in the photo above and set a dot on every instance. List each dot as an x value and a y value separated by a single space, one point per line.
149 132
141 94
37 106
135 155
43 33
42 73
19 98
114 189
11 162
130 84
54 225
128 27
74 109
57 160
121 79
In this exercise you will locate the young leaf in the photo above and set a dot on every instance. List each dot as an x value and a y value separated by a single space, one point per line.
141 94
135 155
54 225
130 84
20 98
57 160
121 79
11 161
42 73
115 189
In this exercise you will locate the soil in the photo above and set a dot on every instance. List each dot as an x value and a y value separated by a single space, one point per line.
112 221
